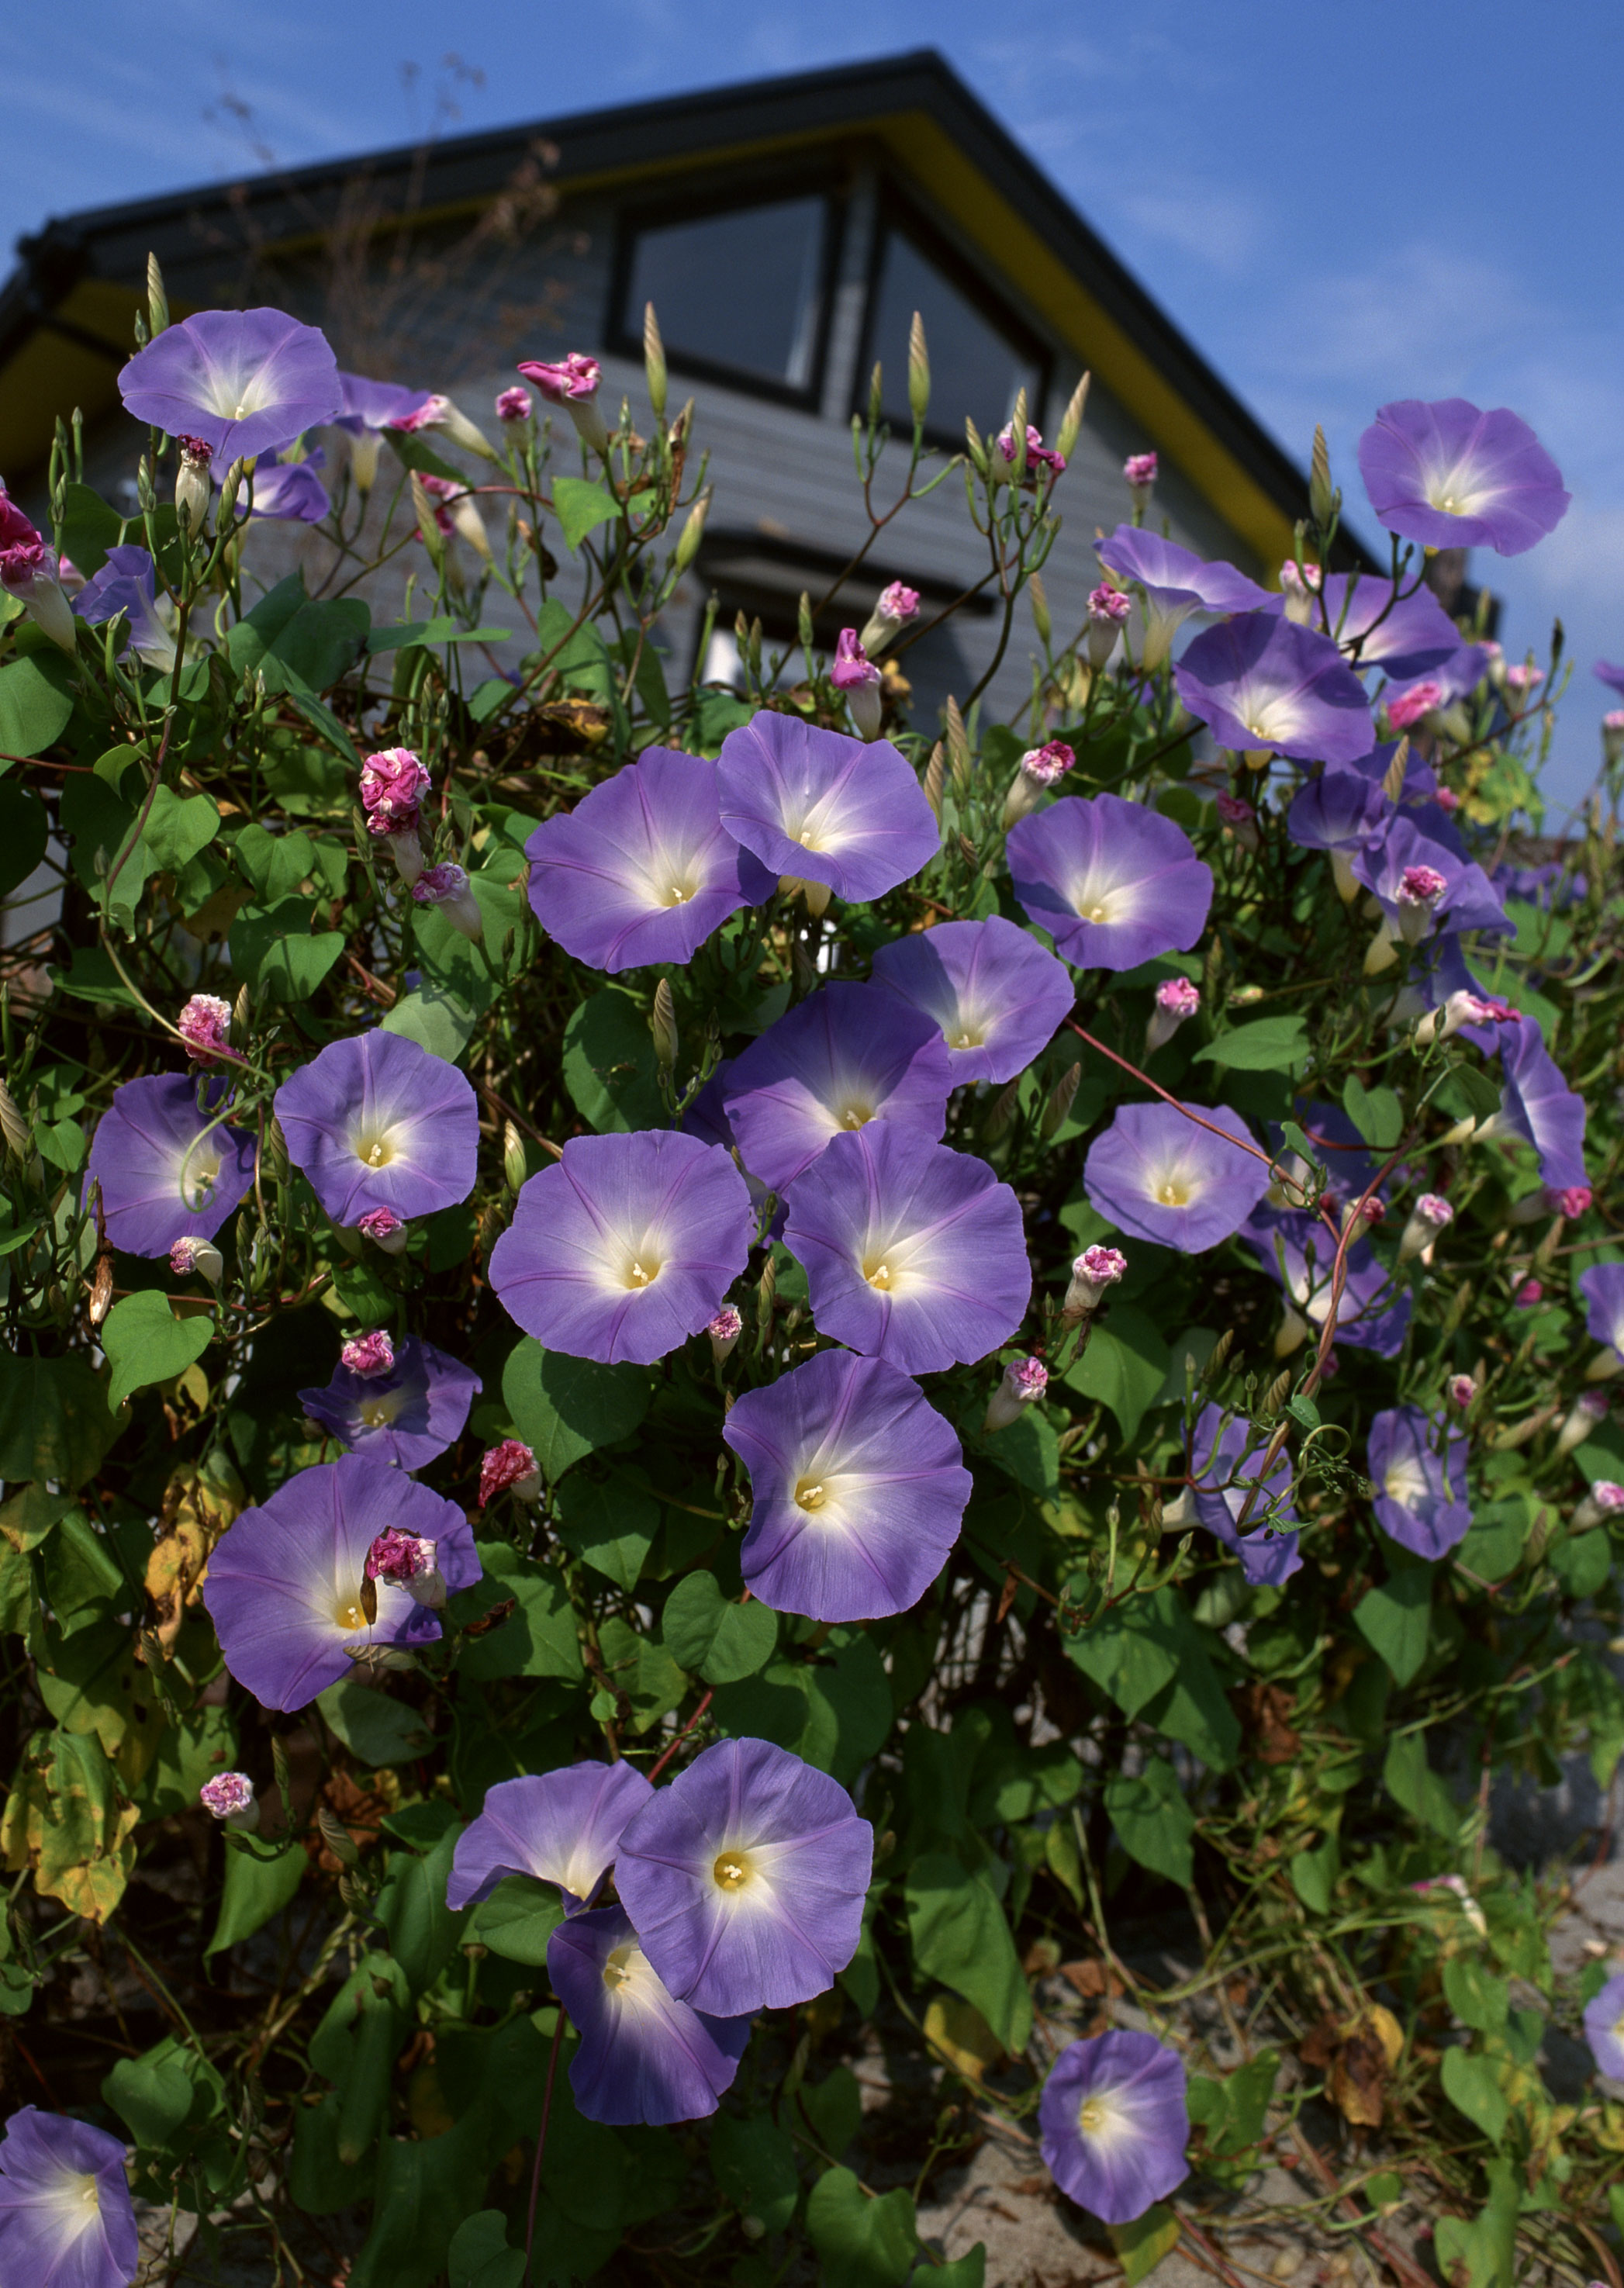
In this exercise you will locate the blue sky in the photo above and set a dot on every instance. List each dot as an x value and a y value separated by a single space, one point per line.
1340 204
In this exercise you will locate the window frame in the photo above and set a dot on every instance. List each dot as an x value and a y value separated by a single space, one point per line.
898 215
729 195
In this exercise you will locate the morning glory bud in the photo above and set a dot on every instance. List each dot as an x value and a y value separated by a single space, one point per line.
1140 470
1041 767
1463 1390
1602 1503
918 370
1590 1408
448 887
383 1228
893 608
200 1255
194 489
1024 1381
724 1330
230 1797
573 383
1428 1217
1176 999
515 1159
692 534
1108 611
1094 1273
663 1025
1612 735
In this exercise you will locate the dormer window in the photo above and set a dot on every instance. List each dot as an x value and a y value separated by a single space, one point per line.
742 291
981 355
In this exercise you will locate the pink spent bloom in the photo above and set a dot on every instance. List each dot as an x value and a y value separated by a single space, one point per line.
369 1355
396 1556
1522 679
1435 1210
1574 1200
1409 706
1606 1494
1024 1381
1178 996
510 1467
1528 1294
513 404
1447 798
727 1325
1038 453
1140 470
204 1026
1093 1272
385 1229
1421 886
567 380
192 1254
227 1795
393 784
897 602
1048 762
1232 811
851 666
1463 1389
1108 603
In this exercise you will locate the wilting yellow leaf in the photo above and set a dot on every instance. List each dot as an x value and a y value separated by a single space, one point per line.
66 1821
961 2034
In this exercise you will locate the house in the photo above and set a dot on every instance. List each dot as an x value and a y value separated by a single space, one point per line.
785 232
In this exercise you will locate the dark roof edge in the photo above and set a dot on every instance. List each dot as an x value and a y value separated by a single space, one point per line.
468 166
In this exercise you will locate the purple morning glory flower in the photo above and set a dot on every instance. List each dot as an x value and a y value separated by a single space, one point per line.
561 1827
167 1170
376 1122
745 1880
67 2219
127 583
848 1054
1340 1150
707 1118
1612 677
1338 812
288 490
1259 681
1451 476
1420 1501
1164 1178
642 869
626 1246
405 1416
1224 1451
1604 2028
374 404
1113 2124
859 1489
1112 882
1413 637
1539 1107
914 1254
1298 1252
817 806
644 2056
245 381
285 1585
996 996
1602 1289
1422 885
1175 583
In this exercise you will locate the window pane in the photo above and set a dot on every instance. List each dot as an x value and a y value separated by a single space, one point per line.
738 289
974 368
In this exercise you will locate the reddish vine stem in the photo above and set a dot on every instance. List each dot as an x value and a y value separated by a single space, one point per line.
541 2140
679 1737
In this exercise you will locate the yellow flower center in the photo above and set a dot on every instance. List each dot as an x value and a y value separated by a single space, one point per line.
732 1871
347 1611
617 1969
377 1151
877 1275
970 1037
638 1274
677 894
809 1497
1092 2116
1173 1193
856 1115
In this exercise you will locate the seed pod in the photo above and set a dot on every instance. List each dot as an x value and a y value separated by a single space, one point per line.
336 1837
101 1290
1061 1098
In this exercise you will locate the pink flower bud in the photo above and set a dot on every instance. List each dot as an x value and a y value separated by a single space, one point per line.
369 1355
446 886
1524 679
894 607
204 1026
1140 470
29 571
513 404
1589 1409
1038 455
1605 1500
510 1468
230 1797
1528 1294
1447 798
1094 1272
1421 886
1024 1381
1108 609
1612 734
1048 763
1429 1215
1232 810
1573 1201
385 1229
1463 1389
1408 707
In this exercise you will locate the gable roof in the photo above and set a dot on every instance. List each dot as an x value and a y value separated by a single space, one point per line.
66 312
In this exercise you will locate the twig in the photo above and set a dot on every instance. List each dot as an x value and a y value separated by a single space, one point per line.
541 2140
